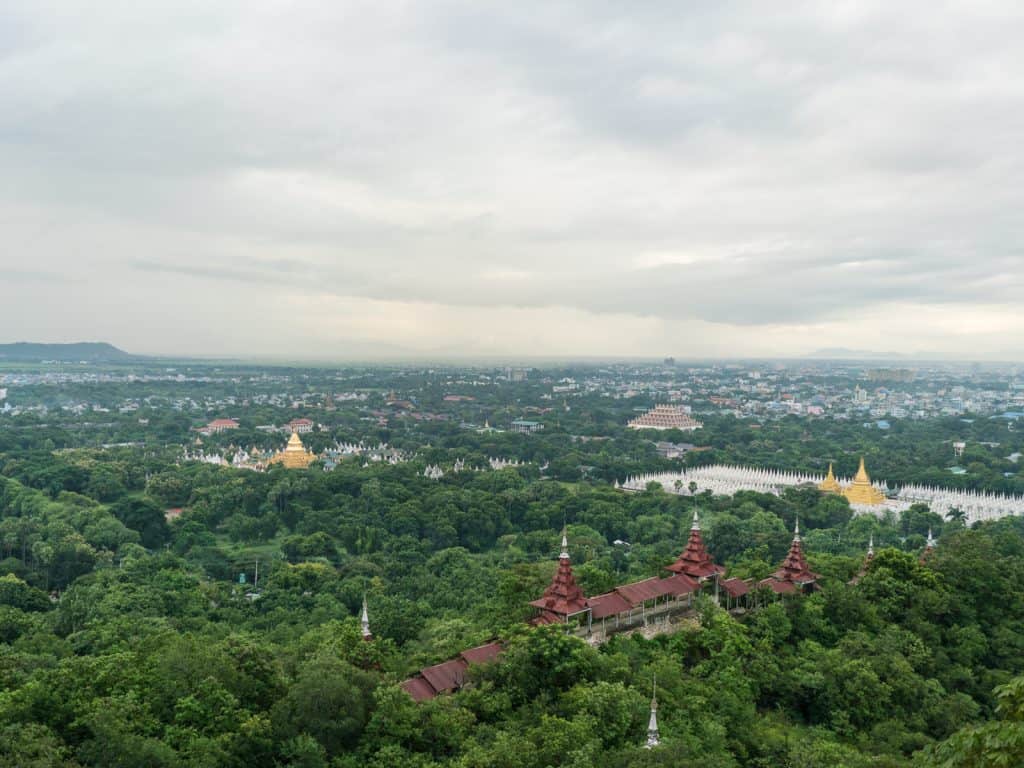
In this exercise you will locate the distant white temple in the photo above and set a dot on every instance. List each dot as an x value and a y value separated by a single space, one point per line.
726 480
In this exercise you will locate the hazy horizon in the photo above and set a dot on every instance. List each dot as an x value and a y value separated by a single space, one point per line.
393 181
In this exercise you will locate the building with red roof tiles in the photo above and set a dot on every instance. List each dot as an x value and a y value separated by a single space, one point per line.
448 676
695 561
302 426
219 425
563 598
794 570
736 590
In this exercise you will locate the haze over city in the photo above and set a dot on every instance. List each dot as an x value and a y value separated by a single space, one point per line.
325 180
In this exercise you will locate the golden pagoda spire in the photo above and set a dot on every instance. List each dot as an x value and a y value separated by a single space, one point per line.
861 491
830 484
295 455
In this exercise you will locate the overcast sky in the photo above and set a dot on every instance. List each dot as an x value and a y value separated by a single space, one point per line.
334 179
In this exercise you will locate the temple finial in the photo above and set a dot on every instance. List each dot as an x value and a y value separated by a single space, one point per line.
564 554
931 539
796 529
695 525
653 736
364 620
871 546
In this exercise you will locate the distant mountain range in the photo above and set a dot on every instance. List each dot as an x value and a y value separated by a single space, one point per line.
91 351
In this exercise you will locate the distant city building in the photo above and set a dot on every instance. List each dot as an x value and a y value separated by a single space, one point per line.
524 426
666 417
673 450
219 425
302 426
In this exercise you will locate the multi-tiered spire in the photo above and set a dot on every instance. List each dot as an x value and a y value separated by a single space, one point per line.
653 736
794 569
364 620
563 597
830 484
695 561
861 491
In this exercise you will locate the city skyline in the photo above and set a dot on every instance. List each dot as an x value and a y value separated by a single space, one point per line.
355 181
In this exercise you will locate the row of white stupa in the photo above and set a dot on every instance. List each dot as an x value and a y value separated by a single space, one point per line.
434 471
726 480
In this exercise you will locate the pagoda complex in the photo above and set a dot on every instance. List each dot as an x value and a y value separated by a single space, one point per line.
861 491
295 455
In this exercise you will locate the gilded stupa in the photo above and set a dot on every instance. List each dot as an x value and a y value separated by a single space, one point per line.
295 455
830 484
861 491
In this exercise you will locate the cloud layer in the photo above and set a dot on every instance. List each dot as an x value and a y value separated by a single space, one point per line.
390 178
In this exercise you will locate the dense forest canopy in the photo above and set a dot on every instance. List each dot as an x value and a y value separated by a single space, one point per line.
227 632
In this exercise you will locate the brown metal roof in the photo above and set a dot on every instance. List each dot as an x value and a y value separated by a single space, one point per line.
482 653
680 584
419 689
641 591
447 676
778 587
545 617
608 604
735 587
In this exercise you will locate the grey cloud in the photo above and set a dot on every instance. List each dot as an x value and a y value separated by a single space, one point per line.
812 161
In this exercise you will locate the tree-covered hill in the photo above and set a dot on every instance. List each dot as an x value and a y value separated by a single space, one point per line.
127 639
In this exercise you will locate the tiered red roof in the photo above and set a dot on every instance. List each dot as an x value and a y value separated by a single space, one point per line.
563 597
695 561
794 570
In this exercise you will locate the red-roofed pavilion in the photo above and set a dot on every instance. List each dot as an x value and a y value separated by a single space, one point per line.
695 561
794 570
563 598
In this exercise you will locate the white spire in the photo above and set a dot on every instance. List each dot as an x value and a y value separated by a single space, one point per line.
796 530
931 539
871 546
564 554
364 619
696 521
653 737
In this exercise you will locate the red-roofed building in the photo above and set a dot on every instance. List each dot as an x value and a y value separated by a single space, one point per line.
482 653
302 426
219 425
695 561
794 570
449 676
563 598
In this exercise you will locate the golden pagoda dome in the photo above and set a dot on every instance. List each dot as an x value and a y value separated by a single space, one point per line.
861 491
295 455
830 484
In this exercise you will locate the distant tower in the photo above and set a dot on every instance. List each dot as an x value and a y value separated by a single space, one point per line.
653 737
929 548
365 621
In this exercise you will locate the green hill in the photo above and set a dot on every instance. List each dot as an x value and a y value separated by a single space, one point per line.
91 351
